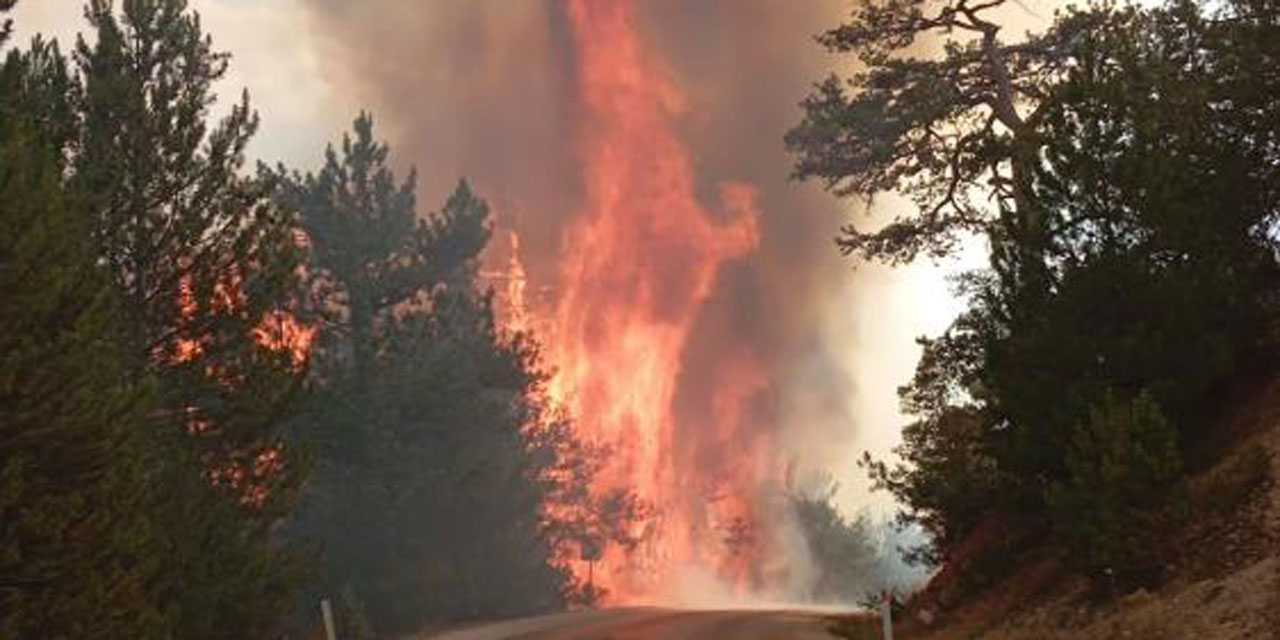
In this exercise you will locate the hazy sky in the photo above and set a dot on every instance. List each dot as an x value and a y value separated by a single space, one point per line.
273 56
310 64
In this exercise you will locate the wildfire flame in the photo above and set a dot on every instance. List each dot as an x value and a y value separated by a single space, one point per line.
517 282
277 330
640 262
281 331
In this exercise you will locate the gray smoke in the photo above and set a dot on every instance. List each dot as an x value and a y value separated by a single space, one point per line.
486 89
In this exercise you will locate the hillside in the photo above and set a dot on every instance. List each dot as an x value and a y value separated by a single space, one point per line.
1225 582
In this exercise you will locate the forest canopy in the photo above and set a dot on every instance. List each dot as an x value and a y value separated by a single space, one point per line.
1122 168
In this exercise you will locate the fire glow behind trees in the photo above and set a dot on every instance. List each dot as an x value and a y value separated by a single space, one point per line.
648 236
639 264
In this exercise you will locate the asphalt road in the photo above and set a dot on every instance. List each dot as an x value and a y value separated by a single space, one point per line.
645 623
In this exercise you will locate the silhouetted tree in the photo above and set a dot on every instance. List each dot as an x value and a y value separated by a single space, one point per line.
75 544
141 398
437 449
845 554
201 257
1130 158
6 27
199 250
954 132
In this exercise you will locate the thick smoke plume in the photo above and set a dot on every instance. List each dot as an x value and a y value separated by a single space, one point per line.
500 92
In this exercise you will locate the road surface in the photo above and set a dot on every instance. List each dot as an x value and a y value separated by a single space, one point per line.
646 623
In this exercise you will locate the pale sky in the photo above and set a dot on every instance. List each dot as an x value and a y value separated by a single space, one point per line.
273 57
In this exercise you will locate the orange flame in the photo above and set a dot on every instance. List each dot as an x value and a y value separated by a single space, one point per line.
641 260
187 349
517 282
277 330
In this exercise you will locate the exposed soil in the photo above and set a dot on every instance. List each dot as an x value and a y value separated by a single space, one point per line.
1225 584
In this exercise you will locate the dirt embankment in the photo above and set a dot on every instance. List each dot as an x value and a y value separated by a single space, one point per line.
1224 584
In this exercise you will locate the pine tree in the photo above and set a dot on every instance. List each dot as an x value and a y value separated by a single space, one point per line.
1131 226
361 228
75 560
428 491
1124 492
199 251
141 475
199 256
845 554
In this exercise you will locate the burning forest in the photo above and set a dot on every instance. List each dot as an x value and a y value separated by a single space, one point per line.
601 365
362 320
639 263
649 301
648 239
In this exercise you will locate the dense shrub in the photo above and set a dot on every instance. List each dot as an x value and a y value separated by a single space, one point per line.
1125 491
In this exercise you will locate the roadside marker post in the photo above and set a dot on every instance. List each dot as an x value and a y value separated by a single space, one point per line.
886 614
592 549
326 611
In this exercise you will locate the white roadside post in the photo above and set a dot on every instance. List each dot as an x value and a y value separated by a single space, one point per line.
326 612
886 614
592 550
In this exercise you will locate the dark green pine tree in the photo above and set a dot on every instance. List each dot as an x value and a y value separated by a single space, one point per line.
77 544
110 527
358 222
1124 492
140 482
360 225
199 255
427 493
199 250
